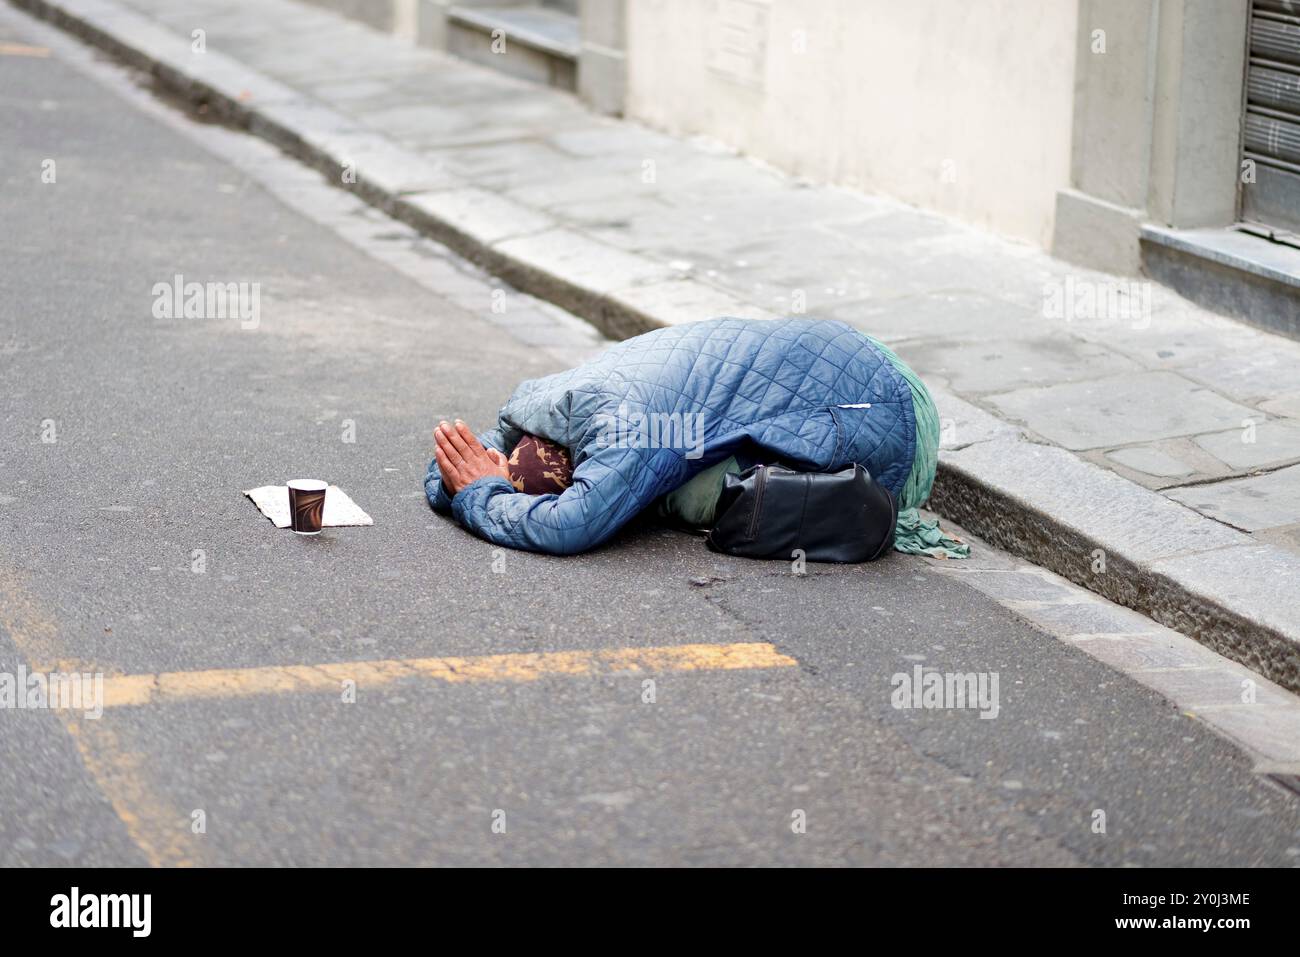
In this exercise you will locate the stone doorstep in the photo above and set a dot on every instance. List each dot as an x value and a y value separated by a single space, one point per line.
1039 502
541 45
552 32
1229 271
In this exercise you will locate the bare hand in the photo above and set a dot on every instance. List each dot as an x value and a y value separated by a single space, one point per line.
462 459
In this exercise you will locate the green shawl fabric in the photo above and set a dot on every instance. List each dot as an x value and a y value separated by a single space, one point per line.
914 535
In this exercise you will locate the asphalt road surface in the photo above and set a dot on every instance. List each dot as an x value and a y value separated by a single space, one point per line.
127 548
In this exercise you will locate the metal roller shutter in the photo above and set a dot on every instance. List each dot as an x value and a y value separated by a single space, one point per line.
1271 135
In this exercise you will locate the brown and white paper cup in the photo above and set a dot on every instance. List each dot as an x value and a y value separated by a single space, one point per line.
307 505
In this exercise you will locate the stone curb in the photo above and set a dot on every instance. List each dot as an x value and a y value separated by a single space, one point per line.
1130 545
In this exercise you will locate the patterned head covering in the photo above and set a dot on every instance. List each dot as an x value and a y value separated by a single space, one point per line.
539 467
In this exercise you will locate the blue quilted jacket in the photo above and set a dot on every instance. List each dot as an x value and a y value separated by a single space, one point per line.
814 393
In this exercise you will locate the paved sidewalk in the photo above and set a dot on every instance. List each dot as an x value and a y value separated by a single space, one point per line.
1100 426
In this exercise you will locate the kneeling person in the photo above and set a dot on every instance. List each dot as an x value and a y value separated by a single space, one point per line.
815 394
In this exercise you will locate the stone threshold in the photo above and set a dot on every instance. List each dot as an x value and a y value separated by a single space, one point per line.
1228 270
552 32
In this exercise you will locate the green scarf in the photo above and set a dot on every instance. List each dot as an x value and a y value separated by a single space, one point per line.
914 535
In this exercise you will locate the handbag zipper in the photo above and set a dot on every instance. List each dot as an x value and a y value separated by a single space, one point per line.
759 485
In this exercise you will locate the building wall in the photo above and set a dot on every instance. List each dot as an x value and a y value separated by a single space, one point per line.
965 108
1157 124
373 13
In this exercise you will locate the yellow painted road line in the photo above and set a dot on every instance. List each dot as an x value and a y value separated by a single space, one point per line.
159 829
22 49
30 626
133 690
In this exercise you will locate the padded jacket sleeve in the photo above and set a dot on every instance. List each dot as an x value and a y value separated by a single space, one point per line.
436 492
609 489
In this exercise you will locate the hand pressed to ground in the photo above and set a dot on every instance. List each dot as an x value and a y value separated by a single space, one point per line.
462 459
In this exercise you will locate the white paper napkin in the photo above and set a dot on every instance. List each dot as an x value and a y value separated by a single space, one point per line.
273 501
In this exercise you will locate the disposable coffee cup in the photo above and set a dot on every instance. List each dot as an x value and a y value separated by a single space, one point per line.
307 505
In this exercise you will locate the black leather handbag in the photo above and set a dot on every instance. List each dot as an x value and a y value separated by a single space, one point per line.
769 511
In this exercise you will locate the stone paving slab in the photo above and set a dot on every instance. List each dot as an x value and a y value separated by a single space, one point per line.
492 217
961 316
1273 733
1287 404
1269 443
1015 363
1121 409
1216 687
1248 371
591 264
1139 652
1151 461
632 229
1251 504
